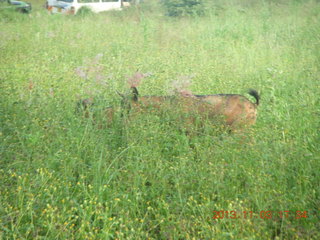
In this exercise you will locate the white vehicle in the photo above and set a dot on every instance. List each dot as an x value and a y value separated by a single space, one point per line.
72 6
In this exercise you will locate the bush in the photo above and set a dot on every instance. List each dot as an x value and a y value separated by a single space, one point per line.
177 8
84 11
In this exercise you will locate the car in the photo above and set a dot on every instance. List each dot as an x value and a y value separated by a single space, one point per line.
18 6
71 7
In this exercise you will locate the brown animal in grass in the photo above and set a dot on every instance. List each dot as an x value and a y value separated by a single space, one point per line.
237 109
234 109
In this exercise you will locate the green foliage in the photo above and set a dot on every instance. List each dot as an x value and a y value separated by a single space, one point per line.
8 13
84 11
177 8
65 176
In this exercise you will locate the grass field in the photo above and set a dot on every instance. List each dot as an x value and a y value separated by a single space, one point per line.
63 176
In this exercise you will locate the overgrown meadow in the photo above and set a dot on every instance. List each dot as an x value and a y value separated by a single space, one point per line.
65 176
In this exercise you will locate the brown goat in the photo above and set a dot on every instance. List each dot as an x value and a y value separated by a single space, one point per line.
237 109
233 108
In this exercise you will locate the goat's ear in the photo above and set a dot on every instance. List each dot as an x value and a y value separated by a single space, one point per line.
135 94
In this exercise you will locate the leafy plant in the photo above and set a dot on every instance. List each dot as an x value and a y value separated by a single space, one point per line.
84 11
177 8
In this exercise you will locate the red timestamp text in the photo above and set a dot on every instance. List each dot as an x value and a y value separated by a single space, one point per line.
261 214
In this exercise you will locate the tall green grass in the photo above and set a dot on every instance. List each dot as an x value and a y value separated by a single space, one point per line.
63 176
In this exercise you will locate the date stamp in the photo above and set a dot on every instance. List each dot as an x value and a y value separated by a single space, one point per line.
261 214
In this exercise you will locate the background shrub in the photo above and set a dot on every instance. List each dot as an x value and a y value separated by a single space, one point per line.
84 11
176 8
